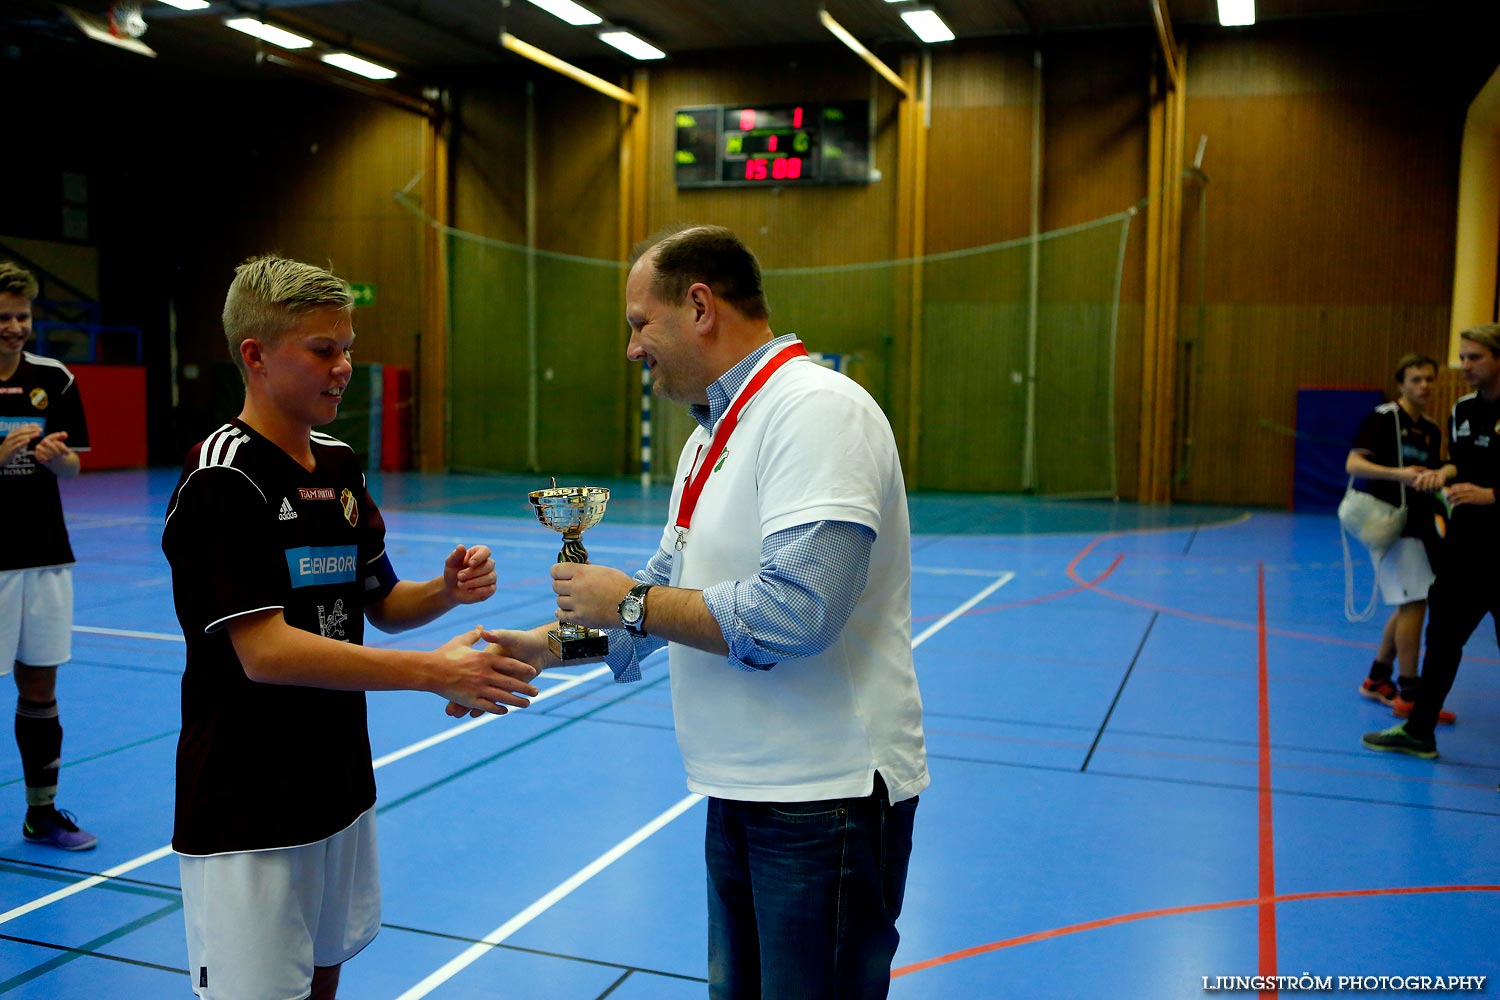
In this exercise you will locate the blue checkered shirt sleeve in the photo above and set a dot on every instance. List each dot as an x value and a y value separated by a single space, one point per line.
626 651
810 578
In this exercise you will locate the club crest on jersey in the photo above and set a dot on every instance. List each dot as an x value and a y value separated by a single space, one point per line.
723 456
39 398
351 507
331 623
286 513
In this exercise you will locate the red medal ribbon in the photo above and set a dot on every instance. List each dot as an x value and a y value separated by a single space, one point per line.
726 427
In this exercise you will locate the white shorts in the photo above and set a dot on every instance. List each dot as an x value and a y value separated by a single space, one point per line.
258 922
1404 575
36 617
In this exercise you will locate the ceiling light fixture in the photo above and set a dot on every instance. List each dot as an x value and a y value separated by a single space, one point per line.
569 11
927 24
354 64
631 45
187 4
268 33
1236 12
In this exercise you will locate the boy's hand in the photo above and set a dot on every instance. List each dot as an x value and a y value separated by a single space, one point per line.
482 681
529 647
16 441
469 574
51 447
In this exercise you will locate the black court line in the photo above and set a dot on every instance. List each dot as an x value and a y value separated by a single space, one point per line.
89 950
49 873
103 753
1199 783
1104 724
128 667
417 793
563 956
616 985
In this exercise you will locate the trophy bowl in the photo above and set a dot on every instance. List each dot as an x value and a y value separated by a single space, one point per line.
571 510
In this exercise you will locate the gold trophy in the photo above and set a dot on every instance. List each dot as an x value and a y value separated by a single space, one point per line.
571 510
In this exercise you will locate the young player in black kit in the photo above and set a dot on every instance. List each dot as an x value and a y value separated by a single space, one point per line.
1466 588
1397 445
41 432
278 558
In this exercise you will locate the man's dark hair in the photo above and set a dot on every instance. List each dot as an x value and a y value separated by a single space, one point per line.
710 254
1413 360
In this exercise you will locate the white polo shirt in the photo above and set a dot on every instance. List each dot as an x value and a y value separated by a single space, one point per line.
811 446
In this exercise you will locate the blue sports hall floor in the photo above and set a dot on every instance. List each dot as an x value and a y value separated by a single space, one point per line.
1143 731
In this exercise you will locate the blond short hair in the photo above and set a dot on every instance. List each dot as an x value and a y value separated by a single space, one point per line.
1486 335
17 280
270 294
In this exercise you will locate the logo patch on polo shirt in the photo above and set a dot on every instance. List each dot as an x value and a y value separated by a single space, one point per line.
319 565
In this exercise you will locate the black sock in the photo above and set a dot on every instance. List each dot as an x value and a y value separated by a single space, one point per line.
39 738
1409 688
1380 671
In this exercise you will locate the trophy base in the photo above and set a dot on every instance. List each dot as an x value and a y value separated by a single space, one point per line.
574 642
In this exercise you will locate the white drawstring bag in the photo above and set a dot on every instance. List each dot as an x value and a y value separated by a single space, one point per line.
1377 525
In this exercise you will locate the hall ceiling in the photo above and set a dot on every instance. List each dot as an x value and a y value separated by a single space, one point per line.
431 41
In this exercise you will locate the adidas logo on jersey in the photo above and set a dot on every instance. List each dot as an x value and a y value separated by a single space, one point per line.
287 514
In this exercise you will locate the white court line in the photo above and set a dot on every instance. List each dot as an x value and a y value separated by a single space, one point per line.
390 758
478 950
88 883
475 952
944 621
448 734
129 634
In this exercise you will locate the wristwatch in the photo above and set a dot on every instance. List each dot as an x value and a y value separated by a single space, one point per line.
633 609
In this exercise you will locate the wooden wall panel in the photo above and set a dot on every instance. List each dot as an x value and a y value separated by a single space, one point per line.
1329 234
1095 165
979 148
786 227
489 161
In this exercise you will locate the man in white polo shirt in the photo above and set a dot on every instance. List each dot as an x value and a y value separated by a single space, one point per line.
782 587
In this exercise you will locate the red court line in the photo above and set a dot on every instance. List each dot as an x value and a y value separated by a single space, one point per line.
1267 834
1206 619
1082 586
1174 911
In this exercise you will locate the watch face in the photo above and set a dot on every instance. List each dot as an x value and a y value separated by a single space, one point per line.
630 610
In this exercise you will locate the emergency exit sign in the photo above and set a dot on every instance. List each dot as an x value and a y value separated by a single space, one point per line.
364 294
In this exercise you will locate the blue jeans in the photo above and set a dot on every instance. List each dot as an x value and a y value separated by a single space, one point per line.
803 896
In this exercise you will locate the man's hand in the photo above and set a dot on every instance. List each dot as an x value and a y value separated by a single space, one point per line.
527 647
480 680
469 574
1461 494
589 595
16 441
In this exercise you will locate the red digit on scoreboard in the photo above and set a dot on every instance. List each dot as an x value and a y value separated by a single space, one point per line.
772 146
796 118
755 170
794 168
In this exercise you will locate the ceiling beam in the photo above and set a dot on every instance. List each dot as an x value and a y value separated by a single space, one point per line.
1169 51
839 32
547 59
